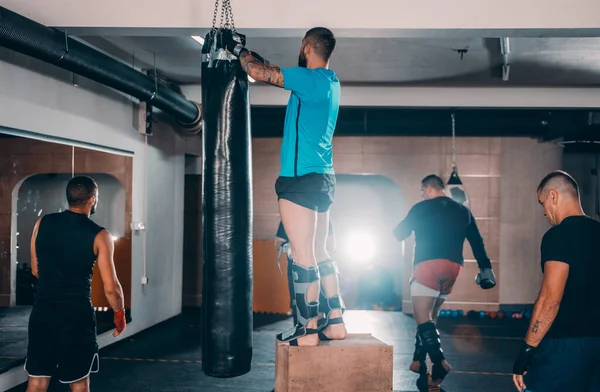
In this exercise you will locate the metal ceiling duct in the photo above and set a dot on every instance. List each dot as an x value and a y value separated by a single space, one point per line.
52 46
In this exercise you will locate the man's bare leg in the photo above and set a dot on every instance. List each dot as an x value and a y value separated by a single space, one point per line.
424 308
38 384
81 385
300 225
436 308
330 284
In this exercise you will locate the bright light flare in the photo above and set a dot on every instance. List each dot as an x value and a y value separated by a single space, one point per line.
360 246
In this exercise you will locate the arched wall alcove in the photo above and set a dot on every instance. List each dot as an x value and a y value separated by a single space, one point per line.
42 194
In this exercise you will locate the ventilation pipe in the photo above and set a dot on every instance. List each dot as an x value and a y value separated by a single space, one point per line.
55 47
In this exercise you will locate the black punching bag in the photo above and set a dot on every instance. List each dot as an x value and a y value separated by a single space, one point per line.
457 190
226 213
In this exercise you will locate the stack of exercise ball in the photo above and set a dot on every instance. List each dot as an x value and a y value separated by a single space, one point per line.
444 313
482 314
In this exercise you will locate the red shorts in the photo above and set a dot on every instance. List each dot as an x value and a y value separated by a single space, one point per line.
439 275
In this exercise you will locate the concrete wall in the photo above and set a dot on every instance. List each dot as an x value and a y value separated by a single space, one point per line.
522 224
580 166
93 116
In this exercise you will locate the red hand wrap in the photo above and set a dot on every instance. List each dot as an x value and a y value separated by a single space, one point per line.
120 321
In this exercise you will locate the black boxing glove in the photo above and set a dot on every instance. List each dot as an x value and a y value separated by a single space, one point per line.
524 359
233 42
486 278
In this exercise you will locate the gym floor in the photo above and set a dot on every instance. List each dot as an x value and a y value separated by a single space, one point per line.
167 357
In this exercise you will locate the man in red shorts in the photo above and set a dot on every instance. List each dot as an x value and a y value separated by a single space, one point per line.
440 225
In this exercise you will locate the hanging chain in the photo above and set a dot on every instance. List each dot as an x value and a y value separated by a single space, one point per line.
222 16
230 12
225 10
226 15
214 26
453 142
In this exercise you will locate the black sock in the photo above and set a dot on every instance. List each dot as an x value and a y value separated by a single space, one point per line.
430 339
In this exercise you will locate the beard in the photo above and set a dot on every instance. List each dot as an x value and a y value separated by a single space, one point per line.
93 211
302 60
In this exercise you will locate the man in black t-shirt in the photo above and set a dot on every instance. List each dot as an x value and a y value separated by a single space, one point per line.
561 351
282 243
441 226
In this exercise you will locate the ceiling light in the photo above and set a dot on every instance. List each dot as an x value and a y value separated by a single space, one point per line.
198 39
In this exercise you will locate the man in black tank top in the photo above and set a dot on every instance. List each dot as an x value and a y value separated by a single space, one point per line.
561 351
62 325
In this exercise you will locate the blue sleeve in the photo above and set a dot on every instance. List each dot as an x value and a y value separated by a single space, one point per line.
301 81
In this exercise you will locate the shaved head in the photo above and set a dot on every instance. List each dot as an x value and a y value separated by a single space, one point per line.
433 181
561 182
558 194
322 40
82 193
432 186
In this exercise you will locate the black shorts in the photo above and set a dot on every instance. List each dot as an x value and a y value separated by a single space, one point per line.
62 340
569 364
313 191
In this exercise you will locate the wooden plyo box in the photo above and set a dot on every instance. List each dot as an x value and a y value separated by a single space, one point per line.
360 363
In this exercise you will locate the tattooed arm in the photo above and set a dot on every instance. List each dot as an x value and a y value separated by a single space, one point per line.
260 71
548 301
303 82
253 64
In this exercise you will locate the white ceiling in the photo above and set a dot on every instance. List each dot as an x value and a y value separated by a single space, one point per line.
422 61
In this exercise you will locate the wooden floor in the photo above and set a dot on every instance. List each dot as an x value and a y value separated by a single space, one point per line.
168 356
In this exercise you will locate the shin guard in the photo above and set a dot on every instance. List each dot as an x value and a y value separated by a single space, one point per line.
335 302
305 311
420 353
430 337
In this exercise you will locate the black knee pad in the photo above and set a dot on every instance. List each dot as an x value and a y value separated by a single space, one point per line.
430 337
